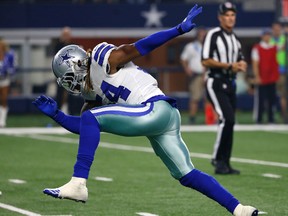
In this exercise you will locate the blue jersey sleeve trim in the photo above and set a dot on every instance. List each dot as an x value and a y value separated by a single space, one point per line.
96 55
103 53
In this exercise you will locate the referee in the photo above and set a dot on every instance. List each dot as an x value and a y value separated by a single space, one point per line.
222 56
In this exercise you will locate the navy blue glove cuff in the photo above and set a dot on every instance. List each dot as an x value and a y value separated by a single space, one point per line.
180 30
58 116
55 115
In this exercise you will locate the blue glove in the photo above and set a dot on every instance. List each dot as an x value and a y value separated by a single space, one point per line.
187 24
46 105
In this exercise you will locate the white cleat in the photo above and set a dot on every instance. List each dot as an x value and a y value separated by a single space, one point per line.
241 210
75 190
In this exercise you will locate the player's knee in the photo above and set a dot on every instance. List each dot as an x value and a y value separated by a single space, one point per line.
180 173
187 179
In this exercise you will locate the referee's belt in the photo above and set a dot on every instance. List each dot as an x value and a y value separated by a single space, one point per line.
218 75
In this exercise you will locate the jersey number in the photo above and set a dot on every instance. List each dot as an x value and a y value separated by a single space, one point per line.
114 93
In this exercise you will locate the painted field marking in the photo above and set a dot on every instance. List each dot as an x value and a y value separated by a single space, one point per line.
145 214
105 179
17 181
18 210
270 175
150 150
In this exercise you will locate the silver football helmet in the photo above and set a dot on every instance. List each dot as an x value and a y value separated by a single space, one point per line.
70 66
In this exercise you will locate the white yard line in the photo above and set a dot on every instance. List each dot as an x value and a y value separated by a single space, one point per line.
33 130
253 127
193 155
150 150
18 210
23 211
184 128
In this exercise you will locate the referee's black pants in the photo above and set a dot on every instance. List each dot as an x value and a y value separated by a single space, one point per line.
221 92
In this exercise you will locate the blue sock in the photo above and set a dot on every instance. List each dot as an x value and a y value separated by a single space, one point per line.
209 186
88 143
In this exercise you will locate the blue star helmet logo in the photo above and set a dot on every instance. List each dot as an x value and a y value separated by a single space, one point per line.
66 57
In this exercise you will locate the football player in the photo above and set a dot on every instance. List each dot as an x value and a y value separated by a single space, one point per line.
132 105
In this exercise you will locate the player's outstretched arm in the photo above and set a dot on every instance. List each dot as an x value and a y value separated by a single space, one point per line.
49 107
128 52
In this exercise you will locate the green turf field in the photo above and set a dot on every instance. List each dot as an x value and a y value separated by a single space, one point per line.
140 183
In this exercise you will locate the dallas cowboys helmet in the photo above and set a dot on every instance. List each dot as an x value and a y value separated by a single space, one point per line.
70 66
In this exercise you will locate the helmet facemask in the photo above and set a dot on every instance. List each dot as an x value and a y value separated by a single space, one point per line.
74 79
72 82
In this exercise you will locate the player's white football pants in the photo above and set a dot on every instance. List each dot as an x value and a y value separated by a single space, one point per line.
158 121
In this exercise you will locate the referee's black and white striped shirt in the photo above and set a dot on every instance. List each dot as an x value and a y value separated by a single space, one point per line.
222 47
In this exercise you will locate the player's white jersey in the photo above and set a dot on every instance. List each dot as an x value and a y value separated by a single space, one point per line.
130 85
